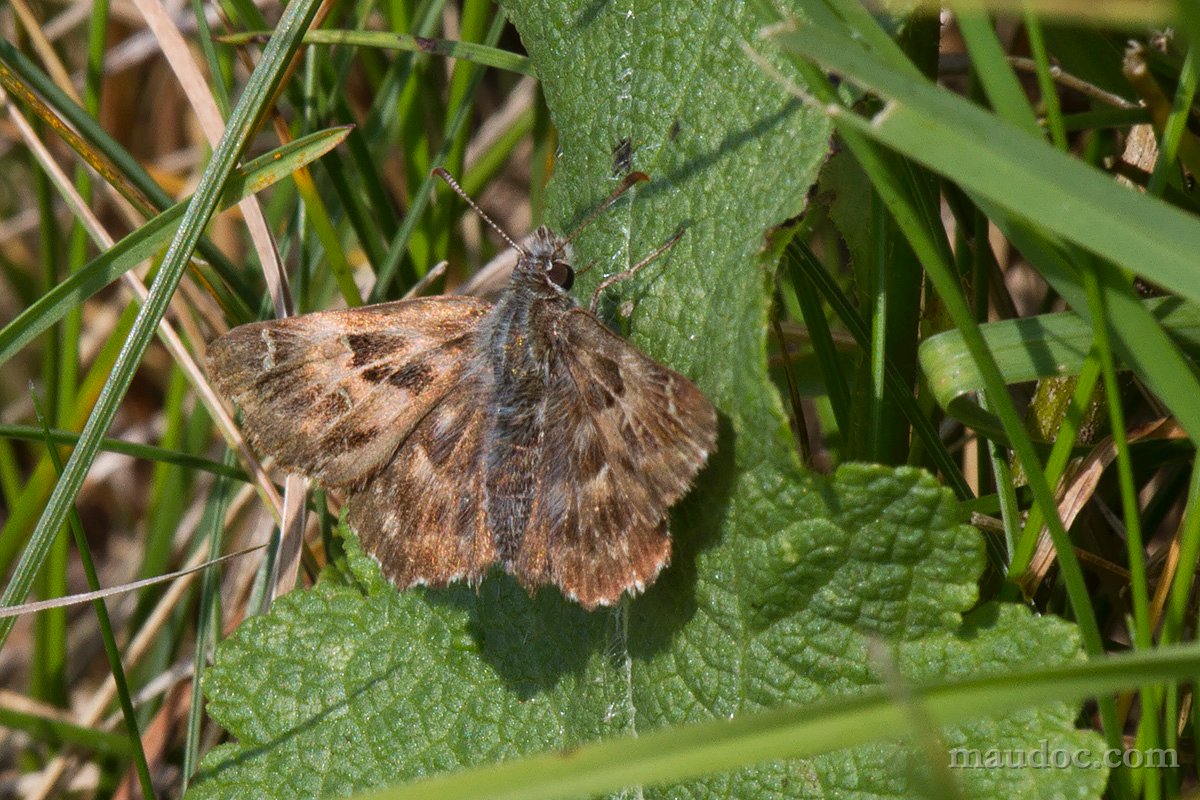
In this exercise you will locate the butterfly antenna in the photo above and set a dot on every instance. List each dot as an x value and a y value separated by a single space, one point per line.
453 184
630 181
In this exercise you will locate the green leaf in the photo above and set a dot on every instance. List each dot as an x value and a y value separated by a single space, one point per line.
1028 349
779 578
334 691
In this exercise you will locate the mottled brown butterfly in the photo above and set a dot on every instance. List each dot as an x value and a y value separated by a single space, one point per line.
524 433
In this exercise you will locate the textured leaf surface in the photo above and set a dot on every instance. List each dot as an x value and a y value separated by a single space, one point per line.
353 685
779 578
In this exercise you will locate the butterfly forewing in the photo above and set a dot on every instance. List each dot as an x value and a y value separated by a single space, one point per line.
333 394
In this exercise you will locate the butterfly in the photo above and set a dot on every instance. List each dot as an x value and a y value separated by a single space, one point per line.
466 434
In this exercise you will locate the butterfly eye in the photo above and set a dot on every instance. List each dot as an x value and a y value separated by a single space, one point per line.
561 274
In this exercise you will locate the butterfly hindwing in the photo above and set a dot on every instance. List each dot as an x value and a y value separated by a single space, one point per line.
333 394
422 516
623 438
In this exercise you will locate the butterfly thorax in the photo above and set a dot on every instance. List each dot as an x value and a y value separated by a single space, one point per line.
520 341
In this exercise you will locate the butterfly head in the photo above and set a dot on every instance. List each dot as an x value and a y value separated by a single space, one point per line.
545 258
549 258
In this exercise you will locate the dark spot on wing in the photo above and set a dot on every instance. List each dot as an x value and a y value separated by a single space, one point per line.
589 459
610 375
377 374
598 396
464 514
412 377
333 405
368 348
458 345
298 399
440 445
352 439
674 131
632 443
309 396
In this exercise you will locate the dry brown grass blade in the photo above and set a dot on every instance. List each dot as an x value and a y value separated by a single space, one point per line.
1141 12
1078 487
175 49
157 740
418 288
291 537
87 597
170 338
194 86
93 713
45 50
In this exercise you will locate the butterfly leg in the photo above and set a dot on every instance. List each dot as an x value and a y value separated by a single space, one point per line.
635 269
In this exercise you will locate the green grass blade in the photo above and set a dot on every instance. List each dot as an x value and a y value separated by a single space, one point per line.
48 682
146 452
242 125
1115 12
146 240
208 623
319 223
491 161
809 271
1031 348
689 751
1050 100
799 261
1021 173
400 242
1031 180
927 239
27 507
111 650
16 70
476 53
58 732
999 82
